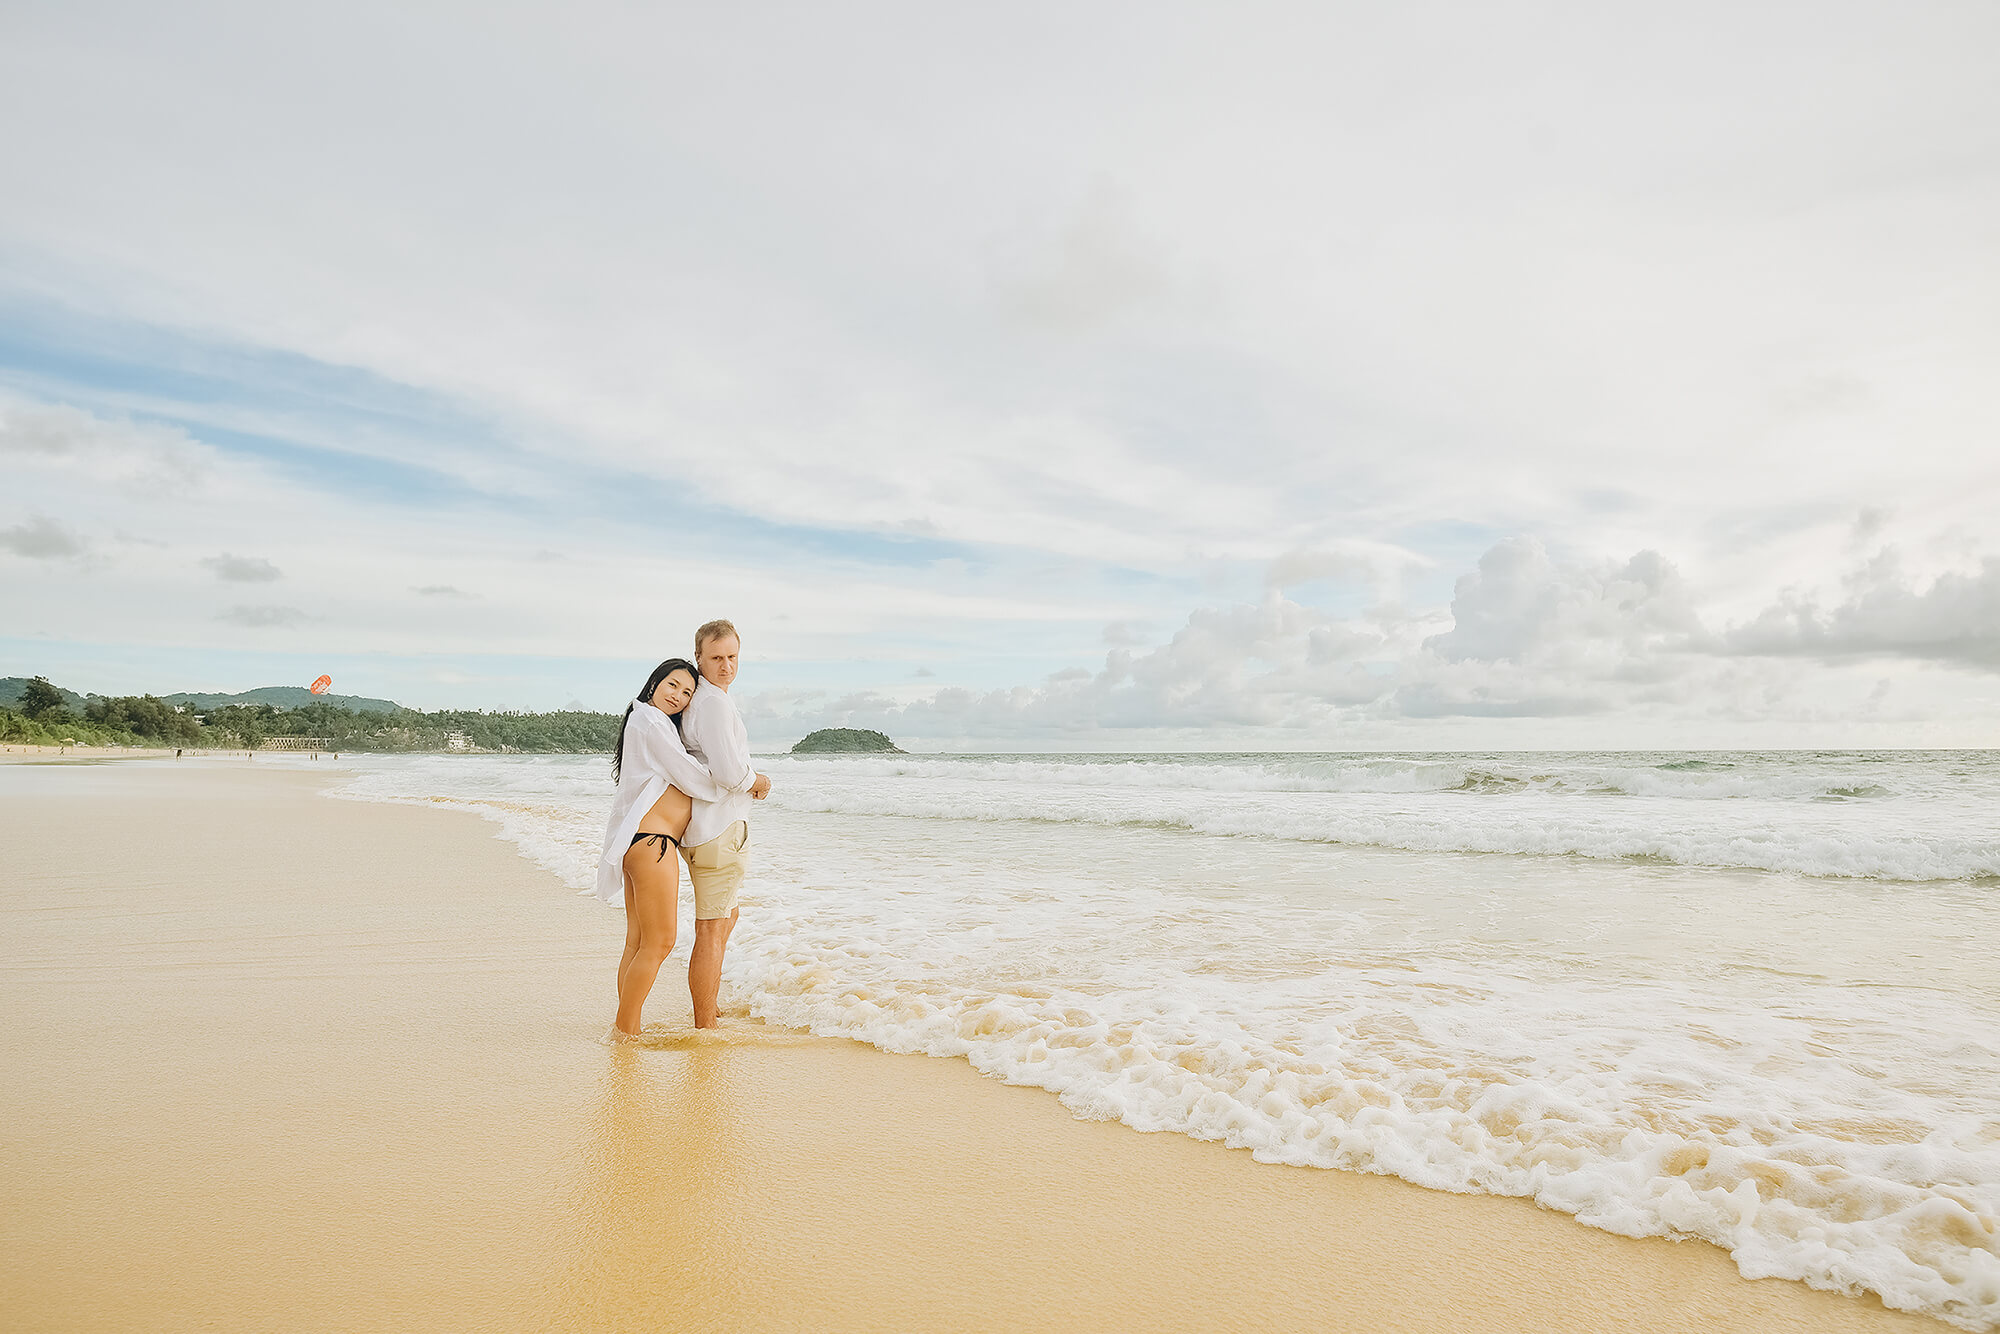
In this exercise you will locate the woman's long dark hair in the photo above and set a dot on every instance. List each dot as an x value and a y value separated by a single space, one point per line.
652 683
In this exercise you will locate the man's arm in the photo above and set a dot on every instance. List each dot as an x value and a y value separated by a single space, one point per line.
708 731
659 747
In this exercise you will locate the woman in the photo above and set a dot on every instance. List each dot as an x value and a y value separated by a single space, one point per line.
657 783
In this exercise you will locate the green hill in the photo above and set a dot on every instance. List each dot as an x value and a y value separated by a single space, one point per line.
12 686
278 697
846 741
284 697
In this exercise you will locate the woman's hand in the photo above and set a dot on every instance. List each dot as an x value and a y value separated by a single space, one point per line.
761 788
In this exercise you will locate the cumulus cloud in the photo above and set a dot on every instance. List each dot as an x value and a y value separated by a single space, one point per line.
263 617
42 538
242 569
1884 613
1520 604
1526 636
1529 637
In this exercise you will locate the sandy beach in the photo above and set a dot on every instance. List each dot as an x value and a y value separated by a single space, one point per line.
280 1062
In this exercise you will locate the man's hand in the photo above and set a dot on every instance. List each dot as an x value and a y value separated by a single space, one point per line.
761 788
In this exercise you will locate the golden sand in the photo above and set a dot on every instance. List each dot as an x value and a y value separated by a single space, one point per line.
274 1062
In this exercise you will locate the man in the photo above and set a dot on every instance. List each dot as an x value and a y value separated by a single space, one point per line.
716 845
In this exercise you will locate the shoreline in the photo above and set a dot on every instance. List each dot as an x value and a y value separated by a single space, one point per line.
286 1061
23 752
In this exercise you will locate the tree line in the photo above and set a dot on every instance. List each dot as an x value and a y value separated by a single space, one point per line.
44 717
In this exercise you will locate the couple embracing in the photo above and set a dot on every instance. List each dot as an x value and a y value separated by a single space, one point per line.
685 785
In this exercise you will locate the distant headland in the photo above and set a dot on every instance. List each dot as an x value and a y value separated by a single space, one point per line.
846 741
37 712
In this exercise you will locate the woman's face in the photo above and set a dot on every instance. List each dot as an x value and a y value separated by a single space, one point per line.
676 688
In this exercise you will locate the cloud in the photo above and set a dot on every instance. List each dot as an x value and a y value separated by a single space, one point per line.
1369 360
1376 565
1955 619
1236 666
1528 637
263 617
242 569
1520 604
1095 268
1301 567
42 538
1868 525
134 458
442 591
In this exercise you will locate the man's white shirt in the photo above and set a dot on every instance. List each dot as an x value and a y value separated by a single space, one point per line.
714 733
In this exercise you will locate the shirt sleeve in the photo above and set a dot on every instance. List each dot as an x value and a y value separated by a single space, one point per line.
661 750
724 747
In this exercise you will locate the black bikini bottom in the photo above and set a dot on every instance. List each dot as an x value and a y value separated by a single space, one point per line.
665 839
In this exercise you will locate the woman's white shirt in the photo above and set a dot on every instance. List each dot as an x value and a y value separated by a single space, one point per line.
654 760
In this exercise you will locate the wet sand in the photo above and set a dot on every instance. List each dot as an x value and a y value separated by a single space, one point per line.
279 1062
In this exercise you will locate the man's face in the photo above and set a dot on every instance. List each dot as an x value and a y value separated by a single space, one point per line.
718 660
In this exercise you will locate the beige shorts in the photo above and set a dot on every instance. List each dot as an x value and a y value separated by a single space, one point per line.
716 868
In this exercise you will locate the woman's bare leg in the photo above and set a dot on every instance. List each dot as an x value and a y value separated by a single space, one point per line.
631 937
711 938
669 814
655 904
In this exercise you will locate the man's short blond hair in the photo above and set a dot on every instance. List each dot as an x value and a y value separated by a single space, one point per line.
713 630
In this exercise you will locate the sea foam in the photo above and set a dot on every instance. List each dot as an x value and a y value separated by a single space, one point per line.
1848 1140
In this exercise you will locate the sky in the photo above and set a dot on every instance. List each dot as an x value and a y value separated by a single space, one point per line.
1107 377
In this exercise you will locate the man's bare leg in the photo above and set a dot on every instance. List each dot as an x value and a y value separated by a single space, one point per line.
711 938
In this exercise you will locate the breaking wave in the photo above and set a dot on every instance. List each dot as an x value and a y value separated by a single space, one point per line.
1768 819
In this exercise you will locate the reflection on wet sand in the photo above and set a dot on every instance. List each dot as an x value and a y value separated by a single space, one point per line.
661 1142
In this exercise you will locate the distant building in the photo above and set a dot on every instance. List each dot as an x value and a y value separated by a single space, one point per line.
457 741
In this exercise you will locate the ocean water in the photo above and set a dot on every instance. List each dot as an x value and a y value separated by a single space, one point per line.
1748 998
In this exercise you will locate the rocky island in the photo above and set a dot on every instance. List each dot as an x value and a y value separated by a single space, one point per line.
846 741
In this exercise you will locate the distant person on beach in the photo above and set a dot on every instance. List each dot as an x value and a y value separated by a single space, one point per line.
663 793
